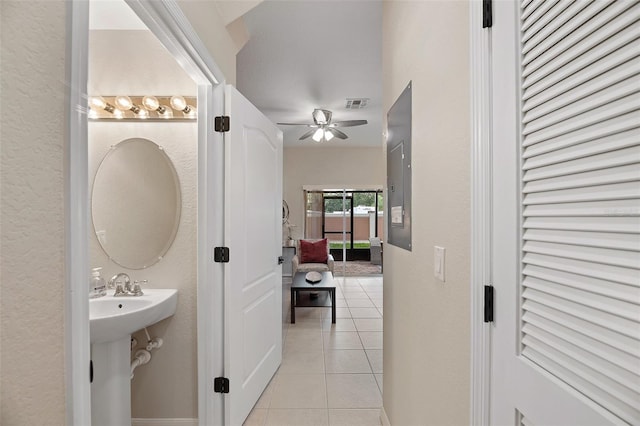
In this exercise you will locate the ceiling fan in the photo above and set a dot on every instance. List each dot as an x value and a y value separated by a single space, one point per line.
323 129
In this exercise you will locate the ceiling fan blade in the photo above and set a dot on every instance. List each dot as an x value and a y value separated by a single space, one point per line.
306 135
337 133
295 124
348 123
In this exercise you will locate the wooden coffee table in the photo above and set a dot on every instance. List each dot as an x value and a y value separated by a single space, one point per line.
300 285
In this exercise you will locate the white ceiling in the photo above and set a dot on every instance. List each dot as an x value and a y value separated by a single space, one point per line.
303 55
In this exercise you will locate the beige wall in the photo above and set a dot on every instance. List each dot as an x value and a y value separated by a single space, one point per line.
329 168
426 322
32 212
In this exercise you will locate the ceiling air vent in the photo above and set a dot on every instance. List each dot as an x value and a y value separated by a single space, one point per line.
358 103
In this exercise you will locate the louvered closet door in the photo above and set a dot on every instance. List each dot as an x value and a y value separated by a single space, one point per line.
567 213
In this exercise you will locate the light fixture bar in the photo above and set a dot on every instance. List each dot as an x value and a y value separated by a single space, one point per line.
147 108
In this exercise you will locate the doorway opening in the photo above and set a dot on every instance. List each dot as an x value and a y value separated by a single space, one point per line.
353 223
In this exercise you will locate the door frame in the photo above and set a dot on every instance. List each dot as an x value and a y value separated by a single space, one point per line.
481 211
168 23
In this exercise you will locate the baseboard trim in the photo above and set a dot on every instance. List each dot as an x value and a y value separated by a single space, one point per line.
383 418
164 422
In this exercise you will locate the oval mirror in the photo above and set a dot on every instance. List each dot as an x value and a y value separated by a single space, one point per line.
135 204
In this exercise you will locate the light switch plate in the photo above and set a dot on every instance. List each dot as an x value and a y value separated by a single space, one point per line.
438 262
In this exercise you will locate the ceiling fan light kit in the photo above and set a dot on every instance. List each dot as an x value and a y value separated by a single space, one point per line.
325 130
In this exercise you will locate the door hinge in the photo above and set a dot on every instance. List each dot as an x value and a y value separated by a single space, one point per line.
487 15
488 303
91 371
221 123
221 385
221 254
280 260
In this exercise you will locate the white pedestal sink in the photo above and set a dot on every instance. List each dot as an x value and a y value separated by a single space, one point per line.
113 319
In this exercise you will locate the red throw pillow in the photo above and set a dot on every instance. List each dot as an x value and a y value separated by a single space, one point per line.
313 251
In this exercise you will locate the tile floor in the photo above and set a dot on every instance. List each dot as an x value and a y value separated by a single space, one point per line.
331 374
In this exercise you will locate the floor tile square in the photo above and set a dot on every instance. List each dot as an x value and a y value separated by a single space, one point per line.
305 340
361 417
368 324
299 391
305 323
346 361
340 313
354 294
371 339
353 391
375 360
342 324
365 313
297 417
298 362
360 303
342 340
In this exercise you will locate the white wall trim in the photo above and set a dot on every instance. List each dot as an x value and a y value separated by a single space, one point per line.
383 418
76 196
481 196
164 422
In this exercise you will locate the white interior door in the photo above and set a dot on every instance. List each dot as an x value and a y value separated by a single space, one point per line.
565 238
253 233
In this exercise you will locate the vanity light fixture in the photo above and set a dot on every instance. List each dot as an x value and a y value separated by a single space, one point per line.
148 108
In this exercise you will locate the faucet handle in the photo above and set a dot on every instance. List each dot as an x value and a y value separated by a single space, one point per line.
137 289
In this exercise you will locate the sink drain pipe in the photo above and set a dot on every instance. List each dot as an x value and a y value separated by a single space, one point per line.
143 356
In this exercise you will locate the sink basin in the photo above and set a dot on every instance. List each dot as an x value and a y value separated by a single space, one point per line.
113 318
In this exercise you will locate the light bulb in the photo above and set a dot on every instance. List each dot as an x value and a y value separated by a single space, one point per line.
98 102
143 113
178 103
123 103
93 113
152 104
118 114
328 135
317 135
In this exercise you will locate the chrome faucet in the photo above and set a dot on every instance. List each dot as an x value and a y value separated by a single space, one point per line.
120 289
127 289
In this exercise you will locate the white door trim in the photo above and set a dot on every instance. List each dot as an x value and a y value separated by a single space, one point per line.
77 352
167 22
481 196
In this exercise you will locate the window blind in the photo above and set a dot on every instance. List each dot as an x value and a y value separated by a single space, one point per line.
580 136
